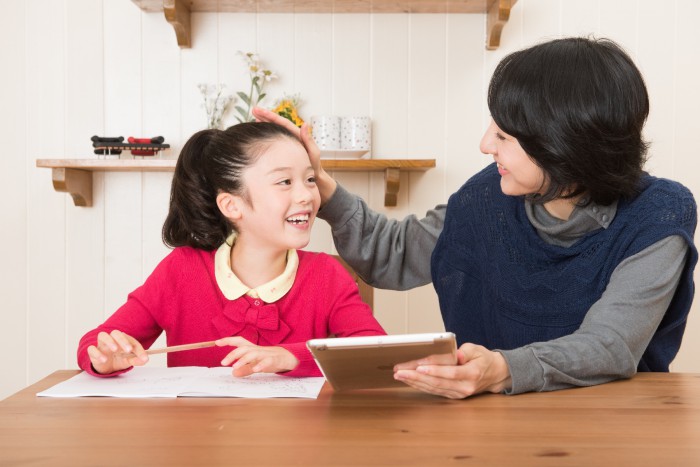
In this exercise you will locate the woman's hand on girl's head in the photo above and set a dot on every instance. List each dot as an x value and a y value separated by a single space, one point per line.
249 358
116 351
326 184
478 370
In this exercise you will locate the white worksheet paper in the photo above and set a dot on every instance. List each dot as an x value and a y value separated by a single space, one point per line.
186 382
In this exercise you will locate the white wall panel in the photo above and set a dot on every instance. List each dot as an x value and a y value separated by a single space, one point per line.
656 61
124 97
389 84
84 117
46 259
685 38
237 33
352 60
541 21
161 117
14 276
580 17
276 44
465 102
619 20
104 67
199 65
312 74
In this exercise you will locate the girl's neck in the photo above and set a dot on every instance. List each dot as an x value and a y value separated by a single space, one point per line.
255 266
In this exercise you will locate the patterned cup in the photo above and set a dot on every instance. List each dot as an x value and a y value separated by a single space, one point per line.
326 131
355 133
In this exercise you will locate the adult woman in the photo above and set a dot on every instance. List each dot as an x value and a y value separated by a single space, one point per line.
546 263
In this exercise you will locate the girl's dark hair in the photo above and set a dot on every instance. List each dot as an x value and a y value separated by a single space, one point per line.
212 162
577 107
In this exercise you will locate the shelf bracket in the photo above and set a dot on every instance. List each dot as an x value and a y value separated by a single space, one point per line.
76 182
392 178
496 18
178 15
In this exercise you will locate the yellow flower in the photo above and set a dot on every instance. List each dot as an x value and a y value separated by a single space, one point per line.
287 108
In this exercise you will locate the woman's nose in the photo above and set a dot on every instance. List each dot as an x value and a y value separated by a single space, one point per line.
488 143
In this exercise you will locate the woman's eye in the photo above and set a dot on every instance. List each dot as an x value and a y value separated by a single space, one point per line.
500 137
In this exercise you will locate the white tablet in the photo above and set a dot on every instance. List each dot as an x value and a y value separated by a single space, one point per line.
368 362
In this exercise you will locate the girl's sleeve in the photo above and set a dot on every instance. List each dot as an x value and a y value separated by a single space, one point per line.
386 253
136 317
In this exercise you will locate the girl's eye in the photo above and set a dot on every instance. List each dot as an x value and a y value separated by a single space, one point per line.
312 180
285 182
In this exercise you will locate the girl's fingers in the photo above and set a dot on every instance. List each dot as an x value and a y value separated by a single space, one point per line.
96 357
106 342
235 341
138 350
121 340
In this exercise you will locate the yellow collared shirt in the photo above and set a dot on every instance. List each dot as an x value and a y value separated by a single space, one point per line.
233 288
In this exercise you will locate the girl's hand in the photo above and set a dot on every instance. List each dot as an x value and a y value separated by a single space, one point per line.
249 358
477 370
116 351
326 184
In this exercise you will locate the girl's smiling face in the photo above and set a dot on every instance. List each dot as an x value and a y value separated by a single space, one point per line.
281 199
519 173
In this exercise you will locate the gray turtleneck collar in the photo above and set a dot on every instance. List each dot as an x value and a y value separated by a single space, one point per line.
565 233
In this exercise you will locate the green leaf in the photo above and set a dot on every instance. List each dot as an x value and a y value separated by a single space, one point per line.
241 111
244 96
260 97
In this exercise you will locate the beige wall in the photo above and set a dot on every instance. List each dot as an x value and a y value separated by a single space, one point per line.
75 68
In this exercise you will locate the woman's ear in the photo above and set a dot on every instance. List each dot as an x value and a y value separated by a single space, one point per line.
230 205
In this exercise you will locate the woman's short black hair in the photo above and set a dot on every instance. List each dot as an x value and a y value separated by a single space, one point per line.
577 107
212 162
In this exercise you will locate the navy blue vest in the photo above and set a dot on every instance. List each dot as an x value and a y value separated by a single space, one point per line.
501 286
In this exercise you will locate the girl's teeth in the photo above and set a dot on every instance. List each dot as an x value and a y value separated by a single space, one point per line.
298 219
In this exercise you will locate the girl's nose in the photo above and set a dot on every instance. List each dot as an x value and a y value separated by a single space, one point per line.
304 194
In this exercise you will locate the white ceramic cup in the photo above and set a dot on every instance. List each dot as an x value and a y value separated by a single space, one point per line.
326 131
355 133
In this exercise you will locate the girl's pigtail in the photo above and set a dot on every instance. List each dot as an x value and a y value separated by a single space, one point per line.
193 217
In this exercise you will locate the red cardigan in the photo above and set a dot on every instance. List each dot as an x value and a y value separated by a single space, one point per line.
182 298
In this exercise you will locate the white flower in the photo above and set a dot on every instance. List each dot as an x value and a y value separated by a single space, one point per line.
215 103
258 77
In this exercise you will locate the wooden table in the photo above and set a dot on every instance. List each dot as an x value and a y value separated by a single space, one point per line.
653 419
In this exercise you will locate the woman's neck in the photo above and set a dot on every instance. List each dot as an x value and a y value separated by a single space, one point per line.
255 267
561 208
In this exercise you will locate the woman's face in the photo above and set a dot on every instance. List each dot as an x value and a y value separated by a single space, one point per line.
519 173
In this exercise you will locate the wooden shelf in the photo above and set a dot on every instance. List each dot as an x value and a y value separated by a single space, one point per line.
74 176
177 12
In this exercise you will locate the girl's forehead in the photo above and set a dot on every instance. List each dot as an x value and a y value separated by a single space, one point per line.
282 152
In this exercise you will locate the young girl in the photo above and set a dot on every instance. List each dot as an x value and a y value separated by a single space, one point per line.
242 204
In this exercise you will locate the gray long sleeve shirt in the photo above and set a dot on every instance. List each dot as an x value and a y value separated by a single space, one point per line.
394 254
